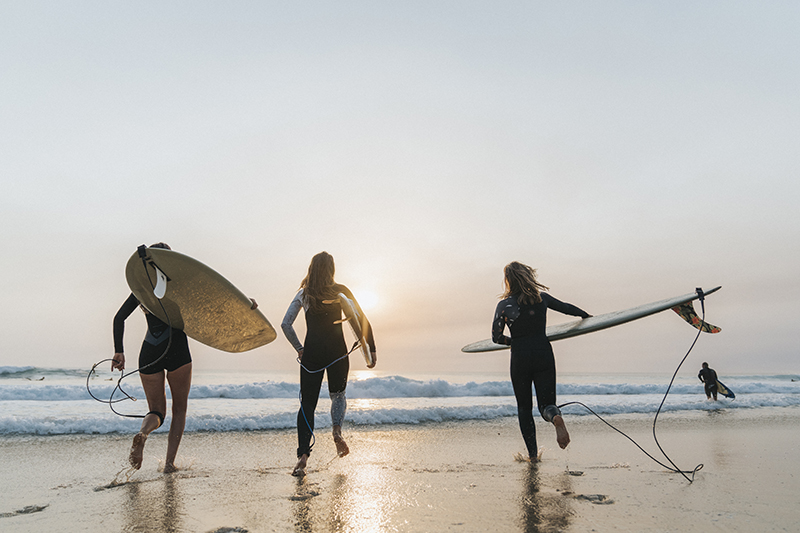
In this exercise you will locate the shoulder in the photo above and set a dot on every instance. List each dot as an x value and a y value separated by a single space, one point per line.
338 287
511 301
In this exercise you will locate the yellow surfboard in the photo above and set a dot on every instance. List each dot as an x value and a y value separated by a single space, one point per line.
196 299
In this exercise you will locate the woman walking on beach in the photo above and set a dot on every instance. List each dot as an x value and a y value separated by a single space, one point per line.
176 364
524 310
324 350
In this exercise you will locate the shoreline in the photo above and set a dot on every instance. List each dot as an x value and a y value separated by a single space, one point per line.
454 476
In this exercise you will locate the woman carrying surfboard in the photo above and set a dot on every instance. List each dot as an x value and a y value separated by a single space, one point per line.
154 364
324 351
524 310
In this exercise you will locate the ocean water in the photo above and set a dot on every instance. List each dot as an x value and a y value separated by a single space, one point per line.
53 401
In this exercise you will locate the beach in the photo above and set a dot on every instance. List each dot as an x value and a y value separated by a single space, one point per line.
449 476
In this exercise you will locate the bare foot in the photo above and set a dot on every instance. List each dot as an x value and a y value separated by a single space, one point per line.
170 468
300 467
562 435
137 450
341 445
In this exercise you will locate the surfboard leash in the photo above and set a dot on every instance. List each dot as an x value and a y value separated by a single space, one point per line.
356 345
111 401
674 467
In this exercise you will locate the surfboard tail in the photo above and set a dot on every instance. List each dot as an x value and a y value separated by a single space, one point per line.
686 311
725 391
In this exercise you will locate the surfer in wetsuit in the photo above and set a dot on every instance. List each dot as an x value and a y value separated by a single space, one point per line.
524 310
324 351
709 378
176 364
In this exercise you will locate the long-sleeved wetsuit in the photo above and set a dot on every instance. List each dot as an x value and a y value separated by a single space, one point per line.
153 346
532 360
324 343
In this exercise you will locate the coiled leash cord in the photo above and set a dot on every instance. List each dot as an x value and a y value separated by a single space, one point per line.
356 344
674 467
111 401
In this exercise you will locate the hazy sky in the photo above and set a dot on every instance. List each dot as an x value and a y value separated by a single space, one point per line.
630 151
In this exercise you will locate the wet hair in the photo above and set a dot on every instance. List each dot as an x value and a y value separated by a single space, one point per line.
520 281
163 245
705 364
318 283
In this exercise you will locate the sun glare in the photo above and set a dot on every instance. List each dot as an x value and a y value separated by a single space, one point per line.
367 299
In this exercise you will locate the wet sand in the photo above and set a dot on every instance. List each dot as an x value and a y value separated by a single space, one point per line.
459 476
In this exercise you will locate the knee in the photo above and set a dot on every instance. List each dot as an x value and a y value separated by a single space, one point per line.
337 396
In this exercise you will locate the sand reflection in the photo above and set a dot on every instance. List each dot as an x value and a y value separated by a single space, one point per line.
544 510
155 505
362 499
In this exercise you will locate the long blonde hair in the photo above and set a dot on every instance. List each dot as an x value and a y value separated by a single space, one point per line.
520 280
318 283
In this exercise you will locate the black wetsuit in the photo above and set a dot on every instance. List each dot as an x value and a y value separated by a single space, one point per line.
324 343
532 359
154 341
709 377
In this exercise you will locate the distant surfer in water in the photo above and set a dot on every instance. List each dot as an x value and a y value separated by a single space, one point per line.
709 377
176 364
524 310
324 351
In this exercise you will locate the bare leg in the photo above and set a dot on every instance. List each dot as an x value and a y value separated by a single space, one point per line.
341 445
562 435
300 467
180 381
153 385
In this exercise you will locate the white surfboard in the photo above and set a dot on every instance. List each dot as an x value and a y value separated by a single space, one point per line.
596 323
358 325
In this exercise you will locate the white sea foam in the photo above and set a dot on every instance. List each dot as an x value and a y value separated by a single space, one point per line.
60 404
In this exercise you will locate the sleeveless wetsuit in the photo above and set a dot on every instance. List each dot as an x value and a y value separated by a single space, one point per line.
532 360
154 341
324 343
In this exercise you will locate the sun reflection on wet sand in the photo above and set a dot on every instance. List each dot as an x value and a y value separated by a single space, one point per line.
362 498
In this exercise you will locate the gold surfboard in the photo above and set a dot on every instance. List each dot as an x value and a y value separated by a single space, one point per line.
198 300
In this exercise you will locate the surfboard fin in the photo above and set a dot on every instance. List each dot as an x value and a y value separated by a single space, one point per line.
161 284
686 311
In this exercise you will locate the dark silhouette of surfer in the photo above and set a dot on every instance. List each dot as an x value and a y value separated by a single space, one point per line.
709 377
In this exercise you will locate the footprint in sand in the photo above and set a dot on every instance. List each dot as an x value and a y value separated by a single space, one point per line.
28 509
599 499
